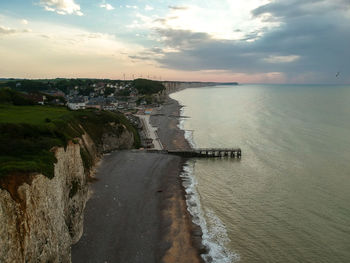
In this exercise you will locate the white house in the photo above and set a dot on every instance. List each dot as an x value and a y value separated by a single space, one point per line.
110 107
76 105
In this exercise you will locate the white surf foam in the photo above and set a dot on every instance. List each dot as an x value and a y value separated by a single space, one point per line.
187 133
214 234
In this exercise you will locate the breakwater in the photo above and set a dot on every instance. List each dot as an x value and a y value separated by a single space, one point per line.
204 152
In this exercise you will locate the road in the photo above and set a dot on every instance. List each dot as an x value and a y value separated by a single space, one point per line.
151 132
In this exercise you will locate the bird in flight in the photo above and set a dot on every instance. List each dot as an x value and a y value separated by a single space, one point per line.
338 73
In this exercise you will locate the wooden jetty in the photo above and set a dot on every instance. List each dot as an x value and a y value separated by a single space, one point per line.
204 152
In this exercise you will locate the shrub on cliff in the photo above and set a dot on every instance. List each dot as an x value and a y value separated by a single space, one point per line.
27 137
146 86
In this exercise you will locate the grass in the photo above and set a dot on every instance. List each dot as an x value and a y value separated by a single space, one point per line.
35 115
28 133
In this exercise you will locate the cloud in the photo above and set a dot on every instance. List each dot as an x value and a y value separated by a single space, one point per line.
149 8
310 44
62 7
183 39
299 9
107 6
11 31
281 59
6 31
53 50
132 6
221 20
178 7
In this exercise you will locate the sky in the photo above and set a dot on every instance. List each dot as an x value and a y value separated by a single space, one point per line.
248 41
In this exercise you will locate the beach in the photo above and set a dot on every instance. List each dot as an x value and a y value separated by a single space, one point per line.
137 211
166 118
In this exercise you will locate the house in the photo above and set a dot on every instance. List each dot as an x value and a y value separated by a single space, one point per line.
93 105
100 84
73 92
133 93
56 93
111 100
132 105
148 111
76 104
57 102
122 105
109 107
37 98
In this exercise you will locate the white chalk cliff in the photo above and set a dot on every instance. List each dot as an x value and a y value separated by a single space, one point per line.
40 218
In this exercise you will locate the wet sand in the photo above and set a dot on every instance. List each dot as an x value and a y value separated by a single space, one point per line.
138 212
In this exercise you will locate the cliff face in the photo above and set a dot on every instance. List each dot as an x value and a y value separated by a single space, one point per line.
117 138
40 217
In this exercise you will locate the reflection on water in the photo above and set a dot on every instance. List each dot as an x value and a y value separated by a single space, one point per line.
287 199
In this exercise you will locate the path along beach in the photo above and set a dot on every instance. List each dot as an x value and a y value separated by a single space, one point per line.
137 211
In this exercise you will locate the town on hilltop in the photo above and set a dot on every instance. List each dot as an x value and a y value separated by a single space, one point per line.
91 93
135 99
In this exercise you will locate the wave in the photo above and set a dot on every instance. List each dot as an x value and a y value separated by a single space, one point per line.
187 133
215 237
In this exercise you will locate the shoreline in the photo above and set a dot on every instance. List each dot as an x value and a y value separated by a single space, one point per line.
138 210
172 138
124 219
166 119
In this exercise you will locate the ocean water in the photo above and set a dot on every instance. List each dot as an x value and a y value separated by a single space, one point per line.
288 198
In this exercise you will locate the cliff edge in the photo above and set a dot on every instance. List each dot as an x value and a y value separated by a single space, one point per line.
42 216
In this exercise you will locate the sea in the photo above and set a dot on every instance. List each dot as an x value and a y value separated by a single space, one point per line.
288 198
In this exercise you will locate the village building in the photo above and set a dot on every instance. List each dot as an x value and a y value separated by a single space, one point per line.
76 104
110 107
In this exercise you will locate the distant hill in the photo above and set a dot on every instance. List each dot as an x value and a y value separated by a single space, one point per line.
147 87
228 83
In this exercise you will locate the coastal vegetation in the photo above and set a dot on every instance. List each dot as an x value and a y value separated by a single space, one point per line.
12 97
29 132
61 84
147 87
83 86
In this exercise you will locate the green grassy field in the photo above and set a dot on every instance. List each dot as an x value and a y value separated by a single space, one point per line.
27 133
35 115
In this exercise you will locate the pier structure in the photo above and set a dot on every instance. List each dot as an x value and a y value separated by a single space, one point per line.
206 152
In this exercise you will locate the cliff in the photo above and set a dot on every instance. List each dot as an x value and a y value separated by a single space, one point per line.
174 86
41 217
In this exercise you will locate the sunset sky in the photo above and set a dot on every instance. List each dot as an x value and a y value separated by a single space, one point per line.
249 41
